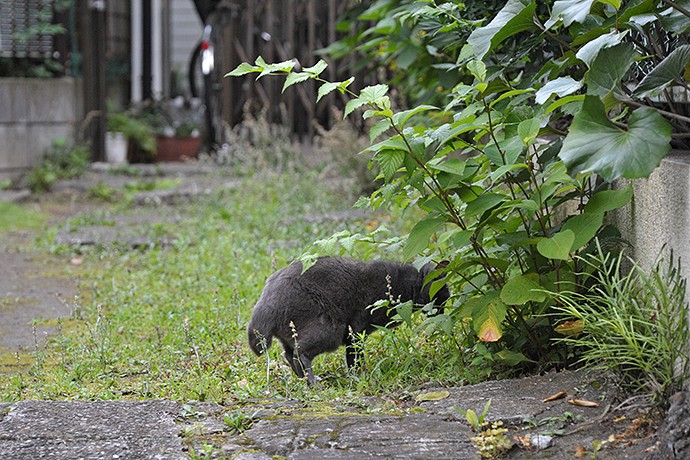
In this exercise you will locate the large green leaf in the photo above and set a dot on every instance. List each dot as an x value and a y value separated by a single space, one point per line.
561 86
418 238
401 118
595 144
243 69
529 129
487 317
589 52
608 69
295 77
522 289
389 160
483 203
674 20
513 18
371 95
569 11
511 358
675 67
584 226
558 246
608 200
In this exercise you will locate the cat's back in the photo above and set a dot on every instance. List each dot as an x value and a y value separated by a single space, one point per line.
328 278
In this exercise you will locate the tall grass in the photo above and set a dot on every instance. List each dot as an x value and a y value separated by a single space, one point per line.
634 323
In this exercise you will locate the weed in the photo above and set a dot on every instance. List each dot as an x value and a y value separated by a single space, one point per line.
633 323
472 418
205 451
104 192
237 421
14 217
188 412
491 440
61 161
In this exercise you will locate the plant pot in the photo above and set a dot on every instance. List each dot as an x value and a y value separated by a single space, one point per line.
115 148
177 148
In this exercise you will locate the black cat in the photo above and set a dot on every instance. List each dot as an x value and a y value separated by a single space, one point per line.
318 310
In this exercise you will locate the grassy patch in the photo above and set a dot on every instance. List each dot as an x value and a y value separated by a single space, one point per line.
14 217
169 321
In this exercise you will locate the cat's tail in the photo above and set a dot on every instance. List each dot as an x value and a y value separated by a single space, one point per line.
259 341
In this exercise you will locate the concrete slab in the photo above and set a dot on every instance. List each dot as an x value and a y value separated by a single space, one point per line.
137 430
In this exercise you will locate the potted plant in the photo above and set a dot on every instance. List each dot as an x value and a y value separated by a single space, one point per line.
178 143
177 135
128 133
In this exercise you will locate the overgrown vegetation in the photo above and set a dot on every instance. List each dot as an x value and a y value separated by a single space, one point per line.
504 192
14 217
631 322
61 161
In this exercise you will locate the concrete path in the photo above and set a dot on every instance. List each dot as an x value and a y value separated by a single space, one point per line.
68 430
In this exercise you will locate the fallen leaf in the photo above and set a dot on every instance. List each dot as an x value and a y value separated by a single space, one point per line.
580 452
523 441
559 395
432 396
583 403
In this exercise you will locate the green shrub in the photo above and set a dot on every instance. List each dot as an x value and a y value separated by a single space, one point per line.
61 161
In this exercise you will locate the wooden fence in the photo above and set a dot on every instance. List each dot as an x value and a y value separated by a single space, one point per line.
279 30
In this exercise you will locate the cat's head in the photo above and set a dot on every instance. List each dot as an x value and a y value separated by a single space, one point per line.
429 274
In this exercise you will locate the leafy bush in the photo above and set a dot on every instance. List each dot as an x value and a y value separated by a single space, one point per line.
134 128
505 195
632 322
62 161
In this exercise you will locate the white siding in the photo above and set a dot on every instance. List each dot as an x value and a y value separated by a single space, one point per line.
185 30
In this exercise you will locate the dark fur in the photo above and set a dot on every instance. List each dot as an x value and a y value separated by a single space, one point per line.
328 300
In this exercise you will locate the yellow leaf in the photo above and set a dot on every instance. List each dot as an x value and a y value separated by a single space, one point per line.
489 331
570 328
432 396
583 403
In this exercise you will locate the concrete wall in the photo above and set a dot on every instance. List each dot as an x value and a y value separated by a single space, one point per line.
659 213
33 112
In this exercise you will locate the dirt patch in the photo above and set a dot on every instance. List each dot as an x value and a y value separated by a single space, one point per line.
32 292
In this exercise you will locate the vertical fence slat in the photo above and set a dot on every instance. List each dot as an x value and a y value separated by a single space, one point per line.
298 28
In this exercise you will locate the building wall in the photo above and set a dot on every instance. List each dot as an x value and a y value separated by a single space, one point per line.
34 112
185 30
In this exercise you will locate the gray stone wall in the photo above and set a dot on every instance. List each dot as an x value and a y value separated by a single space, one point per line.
34 112
659 214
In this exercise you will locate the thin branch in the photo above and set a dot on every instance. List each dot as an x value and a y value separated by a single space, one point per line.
663 112
677 7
